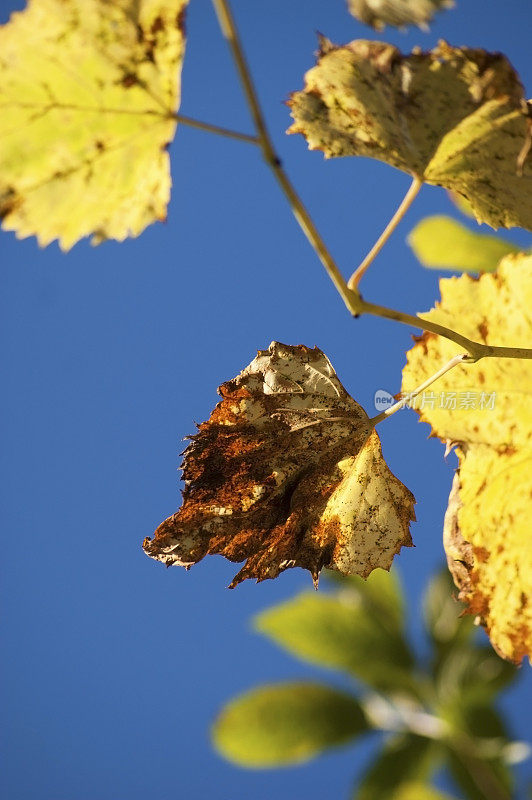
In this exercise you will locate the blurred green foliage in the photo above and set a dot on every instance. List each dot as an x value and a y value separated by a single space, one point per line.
433 712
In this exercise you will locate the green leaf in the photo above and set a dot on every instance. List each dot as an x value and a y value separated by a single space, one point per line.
454 117
443 613
476 749
441 242
287 723
404 761
473 674
381 594
337 631
396 12
417 791
480 778
476 719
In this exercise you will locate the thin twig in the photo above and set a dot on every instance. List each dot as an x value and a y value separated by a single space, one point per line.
459 359
229 30
351 297
405 204
475 349
206 126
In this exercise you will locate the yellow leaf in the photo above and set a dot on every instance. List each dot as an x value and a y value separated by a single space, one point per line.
493 512
379 13
462 204
88 96
487 409
416 790
441 242
287 472
454 116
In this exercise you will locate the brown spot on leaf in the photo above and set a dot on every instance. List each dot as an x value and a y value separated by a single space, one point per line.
481 554
129 79
158 25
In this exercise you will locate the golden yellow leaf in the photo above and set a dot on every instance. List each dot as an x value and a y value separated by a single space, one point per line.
493 511
486 408
379 13
454 116
88 96
287 472
494 309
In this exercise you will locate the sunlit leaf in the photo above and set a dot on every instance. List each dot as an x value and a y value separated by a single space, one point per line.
379 13
404 764
441 242
381 595
287 472
462 204
454 117
88 95
418 791
487 540
486 407
287 723
338 632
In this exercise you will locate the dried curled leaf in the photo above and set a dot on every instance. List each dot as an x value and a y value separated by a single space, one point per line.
486 408
379 13
88 95
287 472
453 116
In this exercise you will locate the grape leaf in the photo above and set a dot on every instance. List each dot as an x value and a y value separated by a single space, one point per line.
337 631
466 770
381 596
489 414
441 242
379 13
417 791
454 116
462 204
487 541
88 96
287 472
401 771
287 723
446 627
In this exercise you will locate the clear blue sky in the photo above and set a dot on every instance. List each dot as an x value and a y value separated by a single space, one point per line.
115 667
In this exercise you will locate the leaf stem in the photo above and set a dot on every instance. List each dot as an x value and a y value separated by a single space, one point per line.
230 31
459 359
206 126
476 350
349 294
485 779
405 204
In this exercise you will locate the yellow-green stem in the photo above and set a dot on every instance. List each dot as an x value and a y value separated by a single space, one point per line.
405 204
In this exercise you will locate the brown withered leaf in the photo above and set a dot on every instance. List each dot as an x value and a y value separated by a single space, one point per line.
454 117
287 472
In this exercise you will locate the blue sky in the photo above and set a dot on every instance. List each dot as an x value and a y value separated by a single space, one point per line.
114 666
